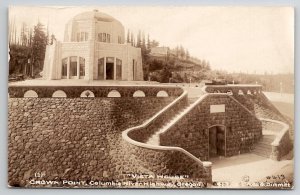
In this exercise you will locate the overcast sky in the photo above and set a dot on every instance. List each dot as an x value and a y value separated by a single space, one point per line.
247 39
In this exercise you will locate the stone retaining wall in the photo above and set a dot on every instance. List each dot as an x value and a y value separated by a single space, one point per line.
170 162
282 144
191 132
234 89
99 91
73 138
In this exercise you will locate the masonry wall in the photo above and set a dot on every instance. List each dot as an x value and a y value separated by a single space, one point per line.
168 162
73 138
192 131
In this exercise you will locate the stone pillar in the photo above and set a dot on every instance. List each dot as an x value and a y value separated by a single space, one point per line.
207 171
68 67
115 68
104 71
78 68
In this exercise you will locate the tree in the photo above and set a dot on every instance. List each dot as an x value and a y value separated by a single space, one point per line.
187 54
148 43
38 49
138 40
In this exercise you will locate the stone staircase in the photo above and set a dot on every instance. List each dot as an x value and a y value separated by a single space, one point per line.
154 139
263 147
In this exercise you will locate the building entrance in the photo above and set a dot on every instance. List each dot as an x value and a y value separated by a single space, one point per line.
109 71
216 141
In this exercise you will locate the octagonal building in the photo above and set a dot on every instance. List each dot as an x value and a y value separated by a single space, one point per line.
94 48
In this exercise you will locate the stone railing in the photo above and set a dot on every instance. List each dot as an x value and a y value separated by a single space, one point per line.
165 159
98 91
282 143
234 89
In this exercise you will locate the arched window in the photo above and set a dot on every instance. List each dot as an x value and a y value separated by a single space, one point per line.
114 93
87 93
241 92
82 66
162 94
30 93
229 92
64 68
139 93
59 93
119 69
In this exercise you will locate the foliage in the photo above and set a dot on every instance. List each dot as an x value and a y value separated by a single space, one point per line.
27 52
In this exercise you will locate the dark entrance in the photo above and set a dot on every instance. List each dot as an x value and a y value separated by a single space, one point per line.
109 71
216 141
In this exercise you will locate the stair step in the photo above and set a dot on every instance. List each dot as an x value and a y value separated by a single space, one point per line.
154 139
267 155
263 147
262 150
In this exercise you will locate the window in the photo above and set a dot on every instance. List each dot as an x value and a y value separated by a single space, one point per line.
73 66
82 36
64 68
119 69
82 66
119 39
104 37
101 69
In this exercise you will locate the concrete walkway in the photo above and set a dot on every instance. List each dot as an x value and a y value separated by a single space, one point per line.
257 168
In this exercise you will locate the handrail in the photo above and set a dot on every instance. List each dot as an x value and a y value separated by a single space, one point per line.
282 132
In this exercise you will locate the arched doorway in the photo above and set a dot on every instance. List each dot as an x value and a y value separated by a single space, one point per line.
217 141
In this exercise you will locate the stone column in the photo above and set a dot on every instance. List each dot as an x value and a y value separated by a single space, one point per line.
115 68
68 67
78 68
207 171
104 71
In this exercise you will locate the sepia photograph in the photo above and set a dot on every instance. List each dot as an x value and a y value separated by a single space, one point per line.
159 97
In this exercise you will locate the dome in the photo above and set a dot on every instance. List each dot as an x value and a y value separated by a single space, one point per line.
96 26
94 15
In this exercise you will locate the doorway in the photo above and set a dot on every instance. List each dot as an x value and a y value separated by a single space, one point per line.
217 141
109 71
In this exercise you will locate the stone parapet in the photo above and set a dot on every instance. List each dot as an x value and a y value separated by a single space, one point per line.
282 143
99 91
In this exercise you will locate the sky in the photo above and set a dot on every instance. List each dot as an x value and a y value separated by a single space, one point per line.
234 39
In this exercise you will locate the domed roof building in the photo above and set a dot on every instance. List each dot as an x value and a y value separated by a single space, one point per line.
94 48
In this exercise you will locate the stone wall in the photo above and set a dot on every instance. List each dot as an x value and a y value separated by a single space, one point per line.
191 132
170 162
161 160
282 144
73 138
99 91
143 134
234 89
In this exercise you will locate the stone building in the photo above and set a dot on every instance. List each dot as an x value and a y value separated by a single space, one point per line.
94 48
